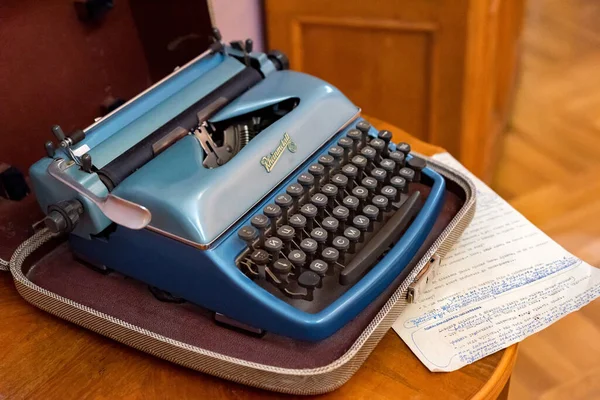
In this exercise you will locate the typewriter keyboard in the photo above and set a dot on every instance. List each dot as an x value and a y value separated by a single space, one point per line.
341 215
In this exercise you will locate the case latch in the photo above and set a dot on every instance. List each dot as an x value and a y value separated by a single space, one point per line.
427 274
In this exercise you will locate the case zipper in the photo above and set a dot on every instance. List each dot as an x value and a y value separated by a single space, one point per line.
423 277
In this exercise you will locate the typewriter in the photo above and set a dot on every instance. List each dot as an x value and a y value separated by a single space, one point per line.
256 192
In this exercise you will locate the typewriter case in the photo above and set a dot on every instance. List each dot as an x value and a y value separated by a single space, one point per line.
126 311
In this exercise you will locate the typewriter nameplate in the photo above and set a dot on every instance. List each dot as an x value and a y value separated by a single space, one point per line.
269 161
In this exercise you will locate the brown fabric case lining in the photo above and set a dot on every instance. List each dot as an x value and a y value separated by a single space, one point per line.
131 301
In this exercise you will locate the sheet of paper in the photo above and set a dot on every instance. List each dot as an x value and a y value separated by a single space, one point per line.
503 281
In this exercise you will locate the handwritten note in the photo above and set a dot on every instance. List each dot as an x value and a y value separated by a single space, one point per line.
503 281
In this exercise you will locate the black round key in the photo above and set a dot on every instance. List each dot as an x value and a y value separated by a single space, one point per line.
273 245
327 162
297 258
248 234
417 165
341 213
351 203
369 183
331 192
356 137
369 153
286 233
307 181
380 202
309 247
361 193
295 190
310 212
341 181
331 225
320 201
298 222
338 154
379 146
403 147
371 212
260 222
319 235
319 267
282 267
361 223
260 257
364 127
407 174
398 158
386 136
353 236
318 171
272 211
341 244
388 165
284 201
400 184
330 256
361 164
390 192
379 175
309 280
351 172
346 144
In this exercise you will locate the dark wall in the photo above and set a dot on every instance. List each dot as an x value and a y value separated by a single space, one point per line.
56 69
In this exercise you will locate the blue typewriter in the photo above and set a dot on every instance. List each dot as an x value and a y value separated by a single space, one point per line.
256 192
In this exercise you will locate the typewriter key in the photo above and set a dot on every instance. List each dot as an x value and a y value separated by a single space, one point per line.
400 184
353 236
351 172
379 175
320 201
338 154
248 234
379 146
282 268
298 222
309 280
327 162
390 193
273 246
331 225
356 137
398 158
273 212
309 247
330 256
297 258
319 235
341 244
341 181
284 201
361 193
371 212
295 191
286 233
346 144
407 174
318 171
351 203
370 184
362 224
364 127
260 257
307 181
389 166
417 165
310 212
369 153
260 222
341 213
361 164
386 136
403 147
331 192
382 203
320 268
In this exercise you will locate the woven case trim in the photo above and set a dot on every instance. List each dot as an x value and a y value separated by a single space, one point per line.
294 381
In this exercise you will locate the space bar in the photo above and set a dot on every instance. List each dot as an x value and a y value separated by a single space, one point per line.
388 234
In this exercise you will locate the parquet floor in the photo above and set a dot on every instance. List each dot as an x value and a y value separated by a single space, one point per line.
549 170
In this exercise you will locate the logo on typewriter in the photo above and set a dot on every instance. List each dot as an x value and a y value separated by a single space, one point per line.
286 143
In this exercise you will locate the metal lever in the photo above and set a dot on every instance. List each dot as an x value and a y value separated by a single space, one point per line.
118 210
215 156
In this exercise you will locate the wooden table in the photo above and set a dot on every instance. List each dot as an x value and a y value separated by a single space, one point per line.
42 356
